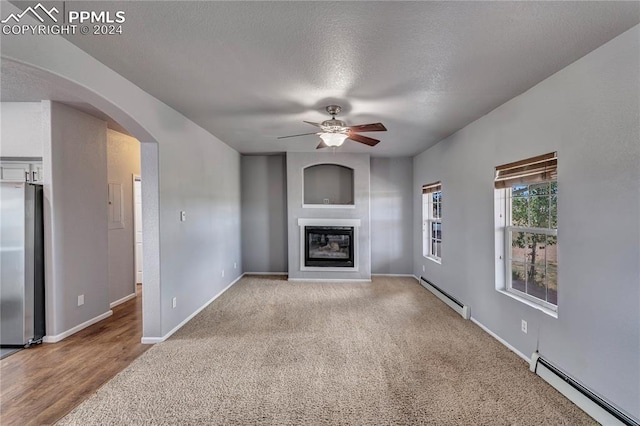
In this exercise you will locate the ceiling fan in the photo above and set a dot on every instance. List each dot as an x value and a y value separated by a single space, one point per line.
334 132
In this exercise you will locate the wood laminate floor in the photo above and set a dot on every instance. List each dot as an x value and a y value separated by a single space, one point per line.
43 383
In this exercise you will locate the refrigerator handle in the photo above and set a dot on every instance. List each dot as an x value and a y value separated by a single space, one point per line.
34 176
26 177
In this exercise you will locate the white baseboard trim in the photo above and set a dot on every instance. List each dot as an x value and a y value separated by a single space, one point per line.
501 340
266 273
392 275
153 340
330 280
56 338
121 301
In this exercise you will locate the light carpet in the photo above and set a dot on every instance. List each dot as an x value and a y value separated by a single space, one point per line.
269 351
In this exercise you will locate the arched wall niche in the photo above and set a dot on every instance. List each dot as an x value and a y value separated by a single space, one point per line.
328 184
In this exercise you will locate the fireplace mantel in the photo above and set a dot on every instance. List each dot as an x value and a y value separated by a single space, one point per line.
328 222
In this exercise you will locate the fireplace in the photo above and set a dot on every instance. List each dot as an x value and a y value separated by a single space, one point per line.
329 246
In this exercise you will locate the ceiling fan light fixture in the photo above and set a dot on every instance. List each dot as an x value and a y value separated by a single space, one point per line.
334 132
333 139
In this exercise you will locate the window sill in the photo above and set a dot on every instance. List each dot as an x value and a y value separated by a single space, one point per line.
534 305
433 259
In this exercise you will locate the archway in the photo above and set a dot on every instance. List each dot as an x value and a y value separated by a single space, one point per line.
33 80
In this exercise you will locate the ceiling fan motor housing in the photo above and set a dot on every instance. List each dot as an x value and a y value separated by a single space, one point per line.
334 126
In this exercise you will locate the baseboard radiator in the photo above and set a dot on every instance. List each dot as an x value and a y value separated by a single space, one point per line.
601 410
453 303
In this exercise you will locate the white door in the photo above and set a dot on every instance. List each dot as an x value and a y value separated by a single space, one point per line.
137 223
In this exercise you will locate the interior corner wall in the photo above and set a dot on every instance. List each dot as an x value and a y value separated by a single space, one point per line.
264 213
588 112
123 161
75 191
20 129
391 215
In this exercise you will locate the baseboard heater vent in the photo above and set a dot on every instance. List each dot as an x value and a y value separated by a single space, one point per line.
453 303
601 410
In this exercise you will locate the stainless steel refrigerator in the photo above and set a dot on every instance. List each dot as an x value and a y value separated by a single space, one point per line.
22 264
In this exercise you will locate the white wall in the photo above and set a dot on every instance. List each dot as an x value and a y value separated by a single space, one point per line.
20 129
391 215
588 113
75 191
183 168
264 213
123 161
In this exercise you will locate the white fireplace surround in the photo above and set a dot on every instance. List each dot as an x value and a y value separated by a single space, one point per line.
355 223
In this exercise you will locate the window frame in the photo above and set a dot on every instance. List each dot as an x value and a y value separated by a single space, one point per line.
428 221
532 172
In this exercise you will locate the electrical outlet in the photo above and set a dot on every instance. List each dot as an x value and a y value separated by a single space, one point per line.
174 302
422 268
223 273
235 265
524 327
81 300
183 216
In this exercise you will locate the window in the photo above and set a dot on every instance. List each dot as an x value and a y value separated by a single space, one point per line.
528 222
432 221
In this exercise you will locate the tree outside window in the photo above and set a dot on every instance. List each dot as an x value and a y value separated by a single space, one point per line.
533 235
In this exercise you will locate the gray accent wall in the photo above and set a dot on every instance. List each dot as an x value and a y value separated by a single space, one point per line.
264 213
360 163
75 191
201 178
588 113
391 215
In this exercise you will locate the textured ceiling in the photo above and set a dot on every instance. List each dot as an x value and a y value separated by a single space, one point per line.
251 71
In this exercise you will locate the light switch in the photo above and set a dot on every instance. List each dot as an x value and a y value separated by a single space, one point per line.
183 216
